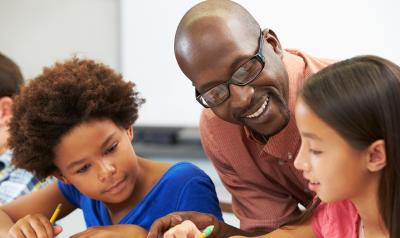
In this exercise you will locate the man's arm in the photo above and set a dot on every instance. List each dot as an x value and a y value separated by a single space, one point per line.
303 231
188 229
118 230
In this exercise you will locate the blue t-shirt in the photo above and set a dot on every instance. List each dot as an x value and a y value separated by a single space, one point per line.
184 187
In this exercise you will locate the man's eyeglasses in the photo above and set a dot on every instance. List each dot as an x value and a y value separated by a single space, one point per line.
245 74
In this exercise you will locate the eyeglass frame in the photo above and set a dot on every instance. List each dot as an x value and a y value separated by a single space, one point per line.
259 57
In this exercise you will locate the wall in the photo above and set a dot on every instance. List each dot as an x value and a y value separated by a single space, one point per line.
36 33
333 29
136 37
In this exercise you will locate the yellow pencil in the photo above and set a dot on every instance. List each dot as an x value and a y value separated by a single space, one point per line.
55 214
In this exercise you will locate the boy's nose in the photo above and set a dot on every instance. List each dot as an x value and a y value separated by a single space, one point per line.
107 169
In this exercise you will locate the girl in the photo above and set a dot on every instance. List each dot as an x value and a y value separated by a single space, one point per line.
348 118
74 122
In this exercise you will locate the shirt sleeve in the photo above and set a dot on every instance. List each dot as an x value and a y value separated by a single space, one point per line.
335 219
17 183
317 219
14 182
70 192
198 194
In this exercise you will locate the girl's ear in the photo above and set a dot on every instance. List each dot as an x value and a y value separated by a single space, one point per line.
376 156
130 132
61 177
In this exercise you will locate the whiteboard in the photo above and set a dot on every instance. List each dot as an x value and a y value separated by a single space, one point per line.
331 29
38 33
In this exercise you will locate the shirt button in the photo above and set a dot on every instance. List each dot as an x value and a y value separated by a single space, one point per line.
289 156
281 162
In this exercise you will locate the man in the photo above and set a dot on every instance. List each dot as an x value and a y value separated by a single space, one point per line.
13 182
248 84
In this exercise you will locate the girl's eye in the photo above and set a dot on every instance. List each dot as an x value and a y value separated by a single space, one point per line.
315 152
83 169
111 149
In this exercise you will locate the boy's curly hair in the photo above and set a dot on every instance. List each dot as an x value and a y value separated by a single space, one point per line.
62 97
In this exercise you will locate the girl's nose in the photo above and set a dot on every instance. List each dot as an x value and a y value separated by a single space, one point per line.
301 162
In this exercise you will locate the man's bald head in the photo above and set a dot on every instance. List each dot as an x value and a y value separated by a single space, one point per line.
226 10
211 26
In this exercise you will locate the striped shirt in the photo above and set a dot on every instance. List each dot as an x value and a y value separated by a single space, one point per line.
15 182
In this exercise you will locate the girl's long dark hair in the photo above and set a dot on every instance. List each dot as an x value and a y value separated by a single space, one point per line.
360 99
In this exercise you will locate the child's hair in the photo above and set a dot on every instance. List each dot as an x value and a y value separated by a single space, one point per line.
10 77
62 97
360 99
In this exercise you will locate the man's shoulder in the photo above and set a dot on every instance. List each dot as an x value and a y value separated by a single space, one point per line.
207 115
313 64
212 124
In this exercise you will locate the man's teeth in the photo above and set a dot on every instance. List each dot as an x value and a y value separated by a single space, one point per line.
260 110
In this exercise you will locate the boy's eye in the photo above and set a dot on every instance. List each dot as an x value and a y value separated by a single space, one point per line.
83 169
111 149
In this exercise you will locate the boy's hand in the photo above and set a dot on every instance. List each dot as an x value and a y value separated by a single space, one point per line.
124 230
34 226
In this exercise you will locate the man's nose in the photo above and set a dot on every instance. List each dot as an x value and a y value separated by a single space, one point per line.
241 96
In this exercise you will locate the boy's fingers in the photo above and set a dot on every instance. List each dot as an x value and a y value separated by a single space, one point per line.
57 230
28 232
48 228
40 230
15 233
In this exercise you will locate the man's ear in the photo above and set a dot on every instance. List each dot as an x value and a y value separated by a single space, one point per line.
61 177
271 38
376 156
5 109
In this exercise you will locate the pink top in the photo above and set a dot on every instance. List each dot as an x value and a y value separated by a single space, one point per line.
265 186
335 220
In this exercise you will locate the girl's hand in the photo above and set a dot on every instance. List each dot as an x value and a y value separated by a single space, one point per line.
34 226
186 229
163 224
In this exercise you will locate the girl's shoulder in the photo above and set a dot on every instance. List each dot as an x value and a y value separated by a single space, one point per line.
336 218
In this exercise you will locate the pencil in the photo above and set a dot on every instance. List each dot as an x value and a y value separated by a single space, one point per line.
206 232
55 214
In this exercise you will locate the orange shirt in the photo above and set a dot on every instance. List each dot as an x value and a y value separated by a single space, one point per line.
265 186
